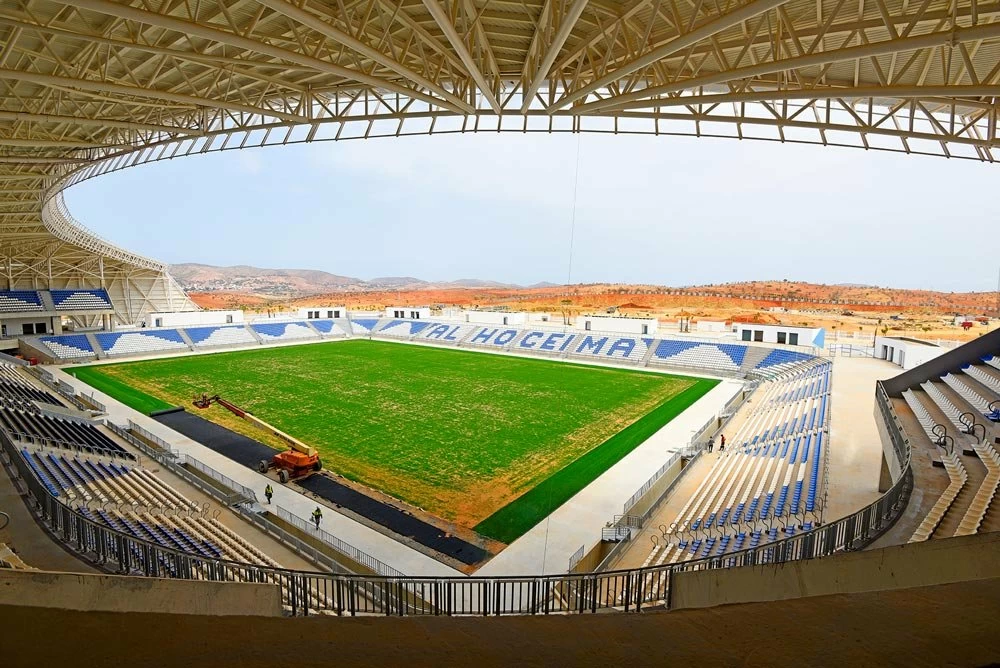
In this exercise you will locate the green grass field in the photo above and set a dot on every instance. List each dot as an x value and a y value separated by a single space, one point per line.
490 442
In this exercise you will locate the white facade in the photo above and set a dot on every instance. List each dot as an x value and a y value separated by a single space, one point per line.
959 319
595 323
185 318
711 326
906 352
408 312
784 334
321 312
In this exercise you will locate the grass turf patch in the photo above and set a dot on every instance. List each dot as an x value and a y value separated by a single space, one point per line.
458 433
120 390
524 512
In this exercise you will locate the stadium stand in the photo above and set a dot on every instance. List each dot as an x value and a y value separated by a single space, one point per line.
328 327
611 346
363 325
954 412
137 343
68 346
18 393
403 329
81 300
769 481
723 357
445 332
283 331
208 337
13 301
137 503
70 434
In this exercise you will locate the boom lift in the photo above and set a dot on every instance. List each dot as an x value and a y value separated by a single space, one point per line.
298 461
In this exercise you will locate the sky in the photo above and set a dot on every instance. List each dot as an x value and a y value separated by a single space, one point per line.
662 210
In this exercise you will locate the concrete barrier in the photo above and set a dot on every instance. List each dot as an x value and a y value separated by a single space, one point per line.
933 562
115 593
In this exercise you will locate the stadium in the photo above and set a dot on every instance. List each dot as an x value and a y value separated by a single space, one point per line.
183 484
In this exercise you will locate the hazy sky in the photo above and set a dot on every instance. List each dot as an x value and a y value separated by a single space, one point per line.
673 211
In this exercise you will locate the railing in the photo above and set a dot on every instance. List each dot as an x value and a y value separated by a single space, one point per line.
306 592
64 389
242 495
10 359
639 493
346 549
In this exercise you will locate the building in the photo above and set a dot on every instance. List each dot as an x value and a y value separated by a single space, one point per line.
407 312
599 323
784 334
186 318
318 312
711 326
906 352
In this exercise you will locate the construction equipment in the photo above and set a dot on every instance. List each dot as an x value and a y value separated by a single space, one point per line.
297 462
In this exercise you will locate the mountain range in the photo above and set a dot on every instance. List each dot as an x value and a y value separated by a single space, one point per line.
291 282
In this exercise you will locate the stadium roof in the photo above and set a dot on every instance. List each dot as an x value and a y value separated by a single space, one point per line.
91 86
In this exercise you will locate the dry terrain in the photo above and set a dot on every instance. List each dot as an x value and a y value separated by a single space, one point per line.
850 310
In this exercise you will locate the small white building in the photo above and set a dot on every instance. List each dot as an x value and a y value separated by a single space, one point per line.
194 318
598 323
959 319
322 312
711 326
784 334
906 352
502 317
408 312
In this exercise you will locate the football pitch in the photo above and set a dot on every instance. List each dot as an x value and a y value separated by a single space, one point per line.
490 442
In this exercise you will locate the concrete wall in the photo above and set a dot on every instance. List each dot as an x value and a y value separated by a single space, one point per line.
711 326
194 318
907 354
13 327
115 593
944 561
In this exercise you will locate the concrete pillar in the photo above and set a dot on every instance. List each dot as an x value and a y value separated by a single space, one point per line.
884 478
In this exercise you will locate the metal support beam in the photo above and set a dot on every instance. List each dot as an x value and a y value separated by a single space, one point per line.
735 17
447 27
958 35
545 64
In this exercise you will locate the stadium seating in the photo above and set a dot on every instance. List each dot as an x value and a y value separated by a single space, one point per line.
722 357
68 346
446 333
81 300
403 329
611 346
27 427
328 327
13 301
16 392
363 326
138 503
140 342
769 480
283 331
207 337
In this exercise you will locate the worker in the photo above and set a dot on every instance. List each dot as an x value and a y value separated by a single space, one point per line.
268 492
711 443
317 516
722 443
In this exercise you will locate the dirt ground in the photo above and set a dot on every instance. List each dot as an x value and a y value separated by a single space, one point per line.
854 311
